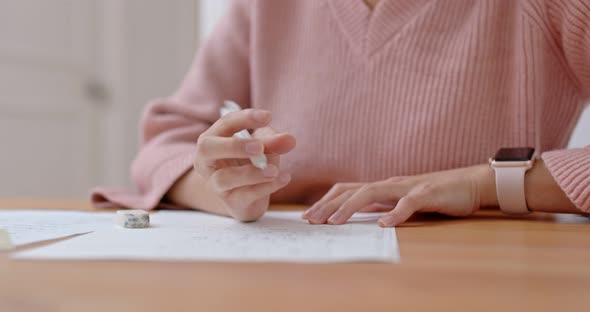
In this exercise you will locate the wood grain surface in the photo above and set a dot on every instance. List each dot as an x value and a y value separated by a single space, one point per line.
488 262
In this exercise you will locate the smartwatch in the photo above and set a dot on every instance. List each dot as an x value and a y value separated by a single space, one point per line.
510 166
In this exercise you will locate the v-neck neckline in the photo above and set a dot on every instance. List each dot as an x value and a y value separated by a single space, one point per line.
368 29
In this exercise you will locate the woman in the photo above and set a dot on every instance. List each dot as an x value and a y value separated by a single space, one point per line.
395 101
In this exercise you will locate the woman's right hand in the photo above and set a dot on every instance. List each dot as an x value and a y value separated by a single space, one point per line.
222 162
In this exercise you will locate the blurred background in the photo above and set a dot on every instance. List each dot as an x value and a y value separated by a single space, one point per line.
74 77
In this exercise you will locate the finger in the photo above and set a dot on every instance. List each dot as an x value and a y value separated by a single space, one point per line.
404 209
280 143
378 207
334 192
366 195
243 196
211 148
238 121
264 132
274 142
326 210
229 178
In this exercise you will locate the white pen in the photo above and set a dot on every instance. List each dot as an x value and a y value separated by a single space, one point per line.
229 107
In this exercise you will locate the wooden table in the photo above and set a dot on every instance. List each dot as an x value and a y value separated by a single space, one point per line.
485 263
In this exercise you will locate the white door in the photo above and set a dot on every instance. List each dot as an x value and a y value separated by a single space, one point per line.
46 97
74 77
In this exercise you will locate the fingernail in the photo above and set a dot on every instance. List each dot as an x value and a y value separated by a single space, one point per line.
278 135
386 221
260 115
284 178
335 219
270 172
253 148
315 216
307 213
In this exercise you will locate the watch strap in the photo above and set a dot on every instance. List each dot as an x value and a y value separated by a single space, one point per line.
510 189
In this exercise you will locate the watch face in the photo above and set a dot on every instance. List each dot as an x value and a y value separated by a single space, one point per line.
515 154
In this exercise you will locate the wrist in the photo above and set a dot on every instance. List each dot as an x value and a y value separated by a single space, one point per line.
191 191
486 184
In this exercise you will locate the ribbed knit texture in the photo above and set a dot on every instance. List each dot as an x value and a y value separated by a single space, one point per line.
413 86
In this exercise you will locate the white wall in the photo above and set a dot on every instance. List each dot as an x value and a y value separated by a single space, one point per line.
209 13
581 136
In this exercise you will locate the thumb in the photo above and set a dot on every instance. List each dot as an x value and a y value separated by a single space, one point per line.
275 142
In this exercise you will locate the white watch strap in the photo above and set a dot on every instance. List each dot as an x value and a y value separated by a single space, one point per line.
510 189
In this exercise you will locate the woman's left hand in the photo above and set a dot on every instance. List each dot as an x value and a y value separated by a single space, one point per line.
458 192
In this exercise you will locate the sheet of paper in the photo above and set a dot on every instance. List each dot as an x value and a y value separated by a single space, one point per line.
196 236
29 226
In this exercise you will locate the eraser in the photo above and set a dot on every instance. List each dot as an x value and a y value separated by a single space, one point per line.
133 219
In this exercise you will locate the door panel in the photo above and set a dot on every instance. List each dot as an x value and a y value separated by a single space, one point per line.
47 160
46 120
74 77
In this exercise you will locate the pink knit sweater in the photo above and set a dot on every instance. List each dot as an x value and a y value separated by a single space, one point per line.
412 86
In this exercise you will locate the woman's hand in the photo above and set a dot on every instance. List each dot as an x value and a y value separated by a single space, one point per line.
454 192
222 162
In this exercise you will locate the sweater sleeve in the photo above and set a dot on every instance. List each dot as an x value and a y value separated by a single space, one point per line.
569 22
171 126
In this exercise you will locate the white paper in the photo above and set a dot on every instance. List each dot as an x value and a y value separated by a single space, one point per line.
190 236
29 226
